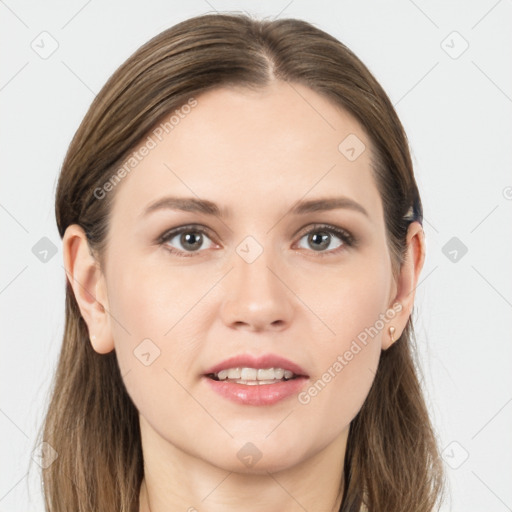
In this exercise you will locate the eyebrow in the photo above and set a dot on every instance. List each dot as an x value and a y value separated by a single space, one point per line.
327 203
187 204
192 204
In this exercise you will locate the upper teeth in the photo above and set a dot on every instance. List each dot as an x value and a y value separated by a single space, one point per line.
254 374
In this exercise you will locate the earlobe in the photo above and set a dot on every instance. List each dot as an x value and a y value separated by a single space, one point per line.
89 287
407 281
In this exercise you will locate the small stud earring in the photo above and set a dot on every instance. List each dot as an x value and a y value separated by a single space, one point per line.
392 334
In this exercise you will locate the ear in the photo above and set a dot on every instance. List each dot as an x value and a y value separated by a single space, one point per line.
89 287
407 281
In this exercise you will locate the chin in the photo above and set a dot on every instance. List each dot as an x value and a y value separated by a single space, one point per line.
254 458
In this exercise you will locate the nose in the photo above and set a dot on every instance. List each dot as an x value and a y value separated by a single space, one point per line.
257 297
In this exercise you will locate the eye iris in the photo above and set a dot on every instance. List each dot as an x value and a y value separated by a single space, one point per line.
319 242
191 238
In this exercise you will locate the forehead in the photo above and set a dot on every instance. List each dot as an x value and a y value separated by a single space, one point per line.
247 148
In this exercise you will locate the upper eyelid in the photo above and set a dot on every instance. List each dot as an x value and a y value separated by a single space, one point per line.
318 226
172 232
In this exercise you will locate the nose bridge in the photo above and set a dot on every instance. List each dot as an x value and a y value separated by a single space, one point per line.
256 296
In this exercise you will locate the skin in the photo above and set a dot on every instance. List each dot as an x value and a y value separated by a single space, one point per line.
256 153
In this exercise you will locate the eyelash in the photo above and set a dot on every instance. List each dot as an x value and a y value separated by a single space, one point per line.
347 238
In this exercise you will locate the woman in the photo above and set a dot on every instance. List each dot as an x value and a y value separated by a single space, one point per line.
242 241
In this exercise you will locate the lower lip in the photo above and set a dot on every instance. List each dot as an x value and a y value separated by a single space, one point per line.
257 394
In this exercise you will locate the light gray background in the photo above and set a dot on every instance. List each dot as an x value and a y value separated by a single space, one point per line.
456 108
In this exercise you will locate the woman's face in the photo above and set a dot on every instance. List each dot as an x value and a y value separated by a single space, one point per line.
267 278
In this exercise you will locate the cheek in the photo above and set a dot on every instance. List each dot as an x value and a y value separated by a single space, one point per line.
156 318
347 356
151 298
348 299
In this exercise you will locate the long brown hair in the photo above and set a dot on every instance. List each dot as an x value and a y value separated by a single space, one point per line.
392 462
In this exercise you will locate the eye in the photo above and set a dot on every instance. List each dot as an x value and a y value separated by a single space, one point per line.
321 237
187 240
190 239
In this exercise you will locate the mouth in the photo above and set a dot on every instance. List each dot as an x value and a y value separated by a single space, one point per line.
253 376
262 380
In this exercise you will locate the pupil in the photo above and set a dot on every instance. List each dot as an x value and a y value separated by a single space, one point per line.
323 239
189 240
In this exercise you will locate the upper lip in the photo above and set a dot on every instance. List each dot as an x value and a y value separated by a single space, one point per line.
263 361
